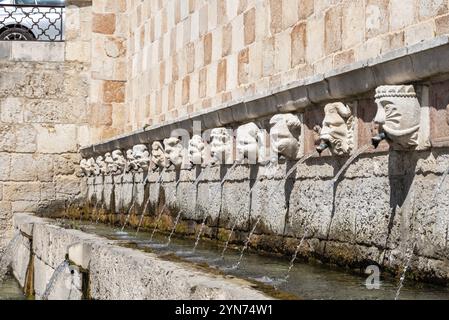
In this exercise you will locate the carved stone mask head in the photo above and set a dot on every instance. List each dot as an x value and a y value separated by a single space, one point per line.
130 161
158 154
398 114
196 150
221 146
247 142
174 152
338 128
85 167
109 162
102 165
94 168
141 156
285 133
119 161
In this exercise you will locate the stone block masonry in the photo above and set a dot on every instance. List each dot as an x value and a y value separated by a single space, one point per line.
175 59
44 89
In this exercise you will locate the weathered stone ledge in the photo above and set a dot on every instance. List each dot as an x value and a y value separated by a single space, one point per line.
410 64
32 51
113 272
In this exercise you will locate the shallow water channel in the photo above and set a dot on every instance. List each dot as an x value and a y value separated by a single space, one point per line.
306 280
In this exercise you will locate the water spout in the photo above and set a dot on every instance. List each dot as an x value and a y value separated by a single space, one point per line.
323 146
378 139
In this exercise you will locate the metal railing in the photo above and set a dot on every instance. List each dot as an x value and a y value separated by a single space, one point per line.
31 22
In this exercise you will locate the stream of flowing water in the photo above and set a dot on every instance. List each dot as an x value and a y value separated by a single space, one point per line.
273 190
159 217
7 256
414 244
128 215
404 272
247 242
349 162
295 255
178 217
203 222
306 280
145 207
54 277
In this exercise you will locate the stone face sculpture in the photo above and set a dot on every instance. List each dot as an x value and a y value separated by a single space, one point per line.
102 166
158 157
109 161
87 167
337 132
398 116
285 135
141 157
129 161
247 143
119 162
174 152
96 166
221 146
196 150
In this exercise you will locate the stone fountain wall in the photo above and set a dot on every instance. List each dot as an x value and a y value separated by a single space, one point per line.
384 202
377 209
96 267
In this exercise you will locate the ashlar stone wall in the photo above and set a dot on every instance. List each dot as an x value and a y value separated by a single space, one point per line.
160 60
44 91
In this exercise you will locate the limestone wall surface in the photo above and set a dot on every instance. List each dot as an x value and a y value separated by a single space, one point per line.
44 90
161 60
110 272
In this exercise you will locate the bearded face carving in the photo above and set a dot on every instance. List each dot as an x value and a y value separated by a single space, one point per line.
337 132
158 155
248 143
398 116
130 165
102 165
196 150
174 152
221 146
109 162
141 156
118 163
285 134
88 167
